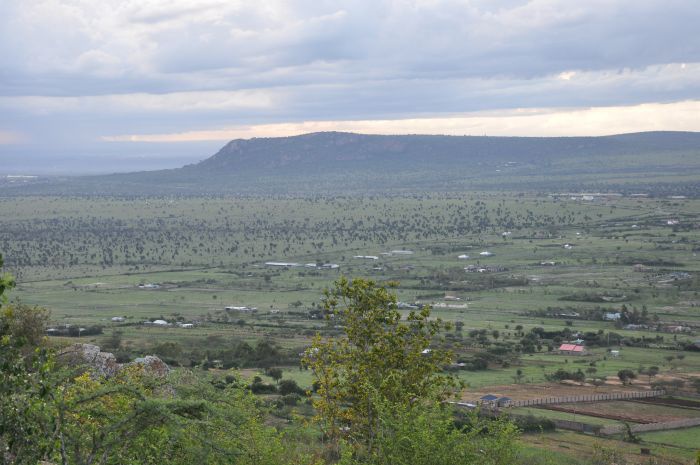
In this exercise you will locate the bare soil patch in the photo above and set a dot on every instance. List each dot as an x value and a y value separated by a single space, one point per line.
685 403
632 411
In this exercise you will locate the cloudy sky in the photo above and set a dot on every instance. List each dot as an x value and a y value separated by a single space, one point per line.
102 85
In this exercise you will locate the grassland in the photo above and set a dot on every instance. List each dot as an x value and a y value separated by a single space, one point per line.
88 260
683 439
554 415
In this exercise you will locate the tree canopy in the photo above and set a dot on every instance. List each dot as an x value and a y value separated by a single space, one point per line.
383 358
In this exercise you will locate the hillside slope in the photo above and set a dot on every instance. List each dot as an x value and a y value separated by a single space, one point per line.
660 163
343 150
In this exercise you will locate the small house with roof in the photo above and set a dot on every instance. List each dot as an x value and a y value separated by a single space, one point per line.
504 402
488 399
572 349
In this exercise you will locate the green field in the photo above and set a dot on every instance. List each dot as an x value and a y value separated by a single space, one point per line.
682 438
554 415
85 258
89 260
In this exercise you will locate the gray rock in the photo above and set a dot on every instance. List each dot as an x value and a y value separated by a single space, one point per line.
152 365
104 364
89 355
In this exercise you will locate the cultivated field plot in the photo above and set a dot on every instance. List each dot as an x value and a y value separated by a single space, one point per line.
558 415
684 439
629 411
573 448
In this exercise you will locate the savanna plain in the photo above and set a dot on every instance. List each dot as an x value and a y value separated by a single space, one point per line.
232 287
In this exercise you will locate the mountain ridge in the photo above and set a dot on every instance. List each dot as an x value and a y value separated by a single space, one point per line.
342 162
275 152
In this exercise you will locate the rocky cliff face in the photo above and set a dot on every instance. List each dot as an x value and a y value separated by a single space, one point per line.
104 364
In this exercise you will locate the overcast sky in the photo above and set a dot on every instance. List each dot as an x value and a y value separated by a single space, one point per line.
102 85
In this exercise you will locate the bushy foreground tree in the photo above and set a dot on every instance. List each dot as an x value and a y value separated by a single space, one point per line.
25 382
381 358
380 387
426 434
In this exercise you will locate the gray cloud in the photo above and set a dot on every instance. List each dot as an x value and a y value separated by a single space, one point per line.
75 71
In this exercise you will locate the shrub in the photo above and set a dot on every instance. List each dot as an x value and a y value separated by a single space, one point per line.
258 387
533 424
289 386
291 399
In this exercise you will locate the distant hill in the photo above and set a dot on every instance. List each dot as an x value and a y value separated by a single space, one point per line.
343 150
336 162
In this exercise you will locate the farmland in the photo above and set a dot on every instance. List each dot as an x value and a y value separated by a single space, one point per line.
557 265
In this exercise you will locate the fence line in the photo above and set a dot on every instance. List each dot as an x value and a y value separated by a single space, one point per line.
667 425
586 398
577 426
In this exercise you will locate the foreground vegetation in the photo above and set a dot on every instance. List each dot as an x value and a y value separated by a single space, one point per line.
69 414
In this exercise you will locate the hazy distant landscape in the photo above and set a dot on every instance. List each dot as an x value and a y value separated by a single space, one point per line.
365 232
237 280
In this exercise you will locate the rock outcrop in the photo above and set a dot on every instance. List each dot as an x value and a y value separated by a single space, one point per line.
152 365
104 364
88 355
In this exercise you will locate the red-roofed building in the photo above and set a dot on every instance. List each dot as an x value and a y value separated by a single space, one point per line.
572 349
